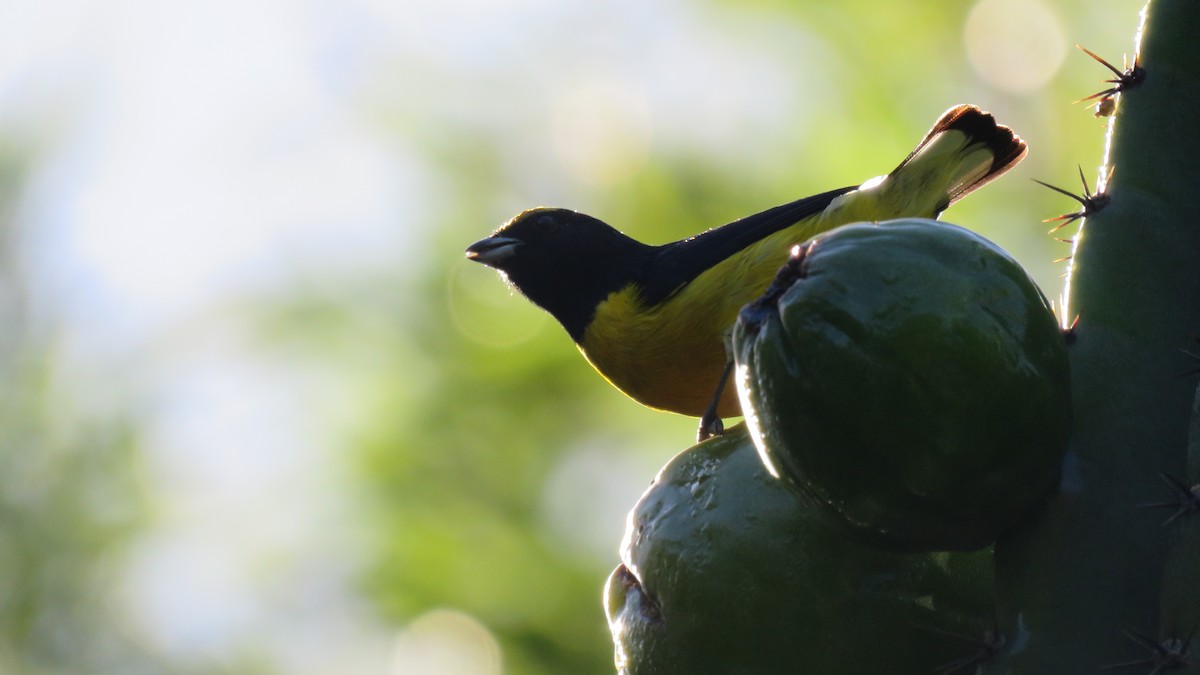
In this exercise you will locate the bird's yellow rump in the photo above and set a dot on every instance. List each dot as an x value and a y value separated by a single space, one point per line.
653 320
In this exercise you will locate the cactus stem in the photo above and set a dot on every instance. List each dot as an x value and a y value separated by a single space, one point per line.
1092 203
1186 503
1071 577
1130 78
1169 654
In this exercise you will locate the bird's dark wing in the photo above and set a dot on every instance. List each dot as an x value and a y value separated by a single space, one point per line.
677 263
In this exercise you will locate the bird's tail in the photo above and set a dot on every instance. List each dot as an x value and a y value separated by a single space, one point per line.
965 150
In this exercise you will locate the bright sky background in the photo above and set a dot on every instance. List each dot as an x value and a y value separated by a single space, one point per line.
191 153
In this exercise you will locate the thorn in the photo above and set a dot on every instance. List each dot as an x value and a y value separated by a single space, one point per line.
1107 178
1193 355
1069 333
1124 81
1092 203
1169 654
1062 259
1106 64
1186 502
1062 240
987 647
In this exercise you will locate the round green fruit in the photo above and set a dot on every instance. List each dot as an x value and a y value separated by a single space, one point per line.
910 377
728 570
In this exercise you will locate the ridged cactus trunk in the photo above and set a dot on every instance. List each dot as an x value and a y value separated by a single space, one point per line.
1081 584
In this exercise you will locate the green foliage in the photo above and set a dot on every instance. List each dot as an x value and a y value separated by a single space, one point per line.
70 490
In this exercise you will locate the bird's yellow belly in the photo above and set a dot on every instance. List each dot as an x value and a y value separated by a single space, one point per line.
671 366
670 356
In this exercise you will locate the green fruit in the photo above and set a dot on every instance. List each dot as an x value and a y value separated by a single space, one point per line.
910 377
728 570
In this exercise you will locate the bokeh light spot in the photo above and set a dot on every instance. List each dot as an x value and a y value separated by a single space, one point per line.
589 492
601 132
1015 45
446 642
485 311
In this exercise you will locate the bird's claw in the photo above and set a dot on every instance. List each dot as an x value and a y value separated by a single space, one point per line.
710 425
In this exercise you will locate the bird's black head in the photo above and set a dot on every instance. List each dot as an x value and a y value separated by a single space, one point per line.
563 261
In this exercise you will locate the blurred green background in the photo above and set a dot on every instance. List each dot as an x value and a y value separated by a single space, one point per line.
259 414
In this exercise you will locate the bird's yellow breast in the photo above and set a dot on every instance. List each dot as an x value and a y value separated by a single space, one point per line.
670 355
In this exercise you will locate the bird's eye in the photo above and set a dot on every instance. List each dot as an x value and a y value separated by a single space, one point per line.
546 224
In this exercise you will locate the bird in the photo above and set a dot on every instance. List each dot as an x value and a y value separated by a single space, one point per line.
655 320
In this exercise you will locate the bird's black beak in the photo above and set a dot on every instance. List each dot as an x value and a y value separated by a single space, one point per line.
493 250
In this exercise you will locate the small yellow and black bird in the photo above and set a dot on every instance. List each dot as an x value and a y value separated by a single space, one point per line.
655 320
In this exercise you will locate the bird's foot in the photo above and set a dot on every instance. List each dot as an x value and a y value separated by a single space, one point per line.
710 425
